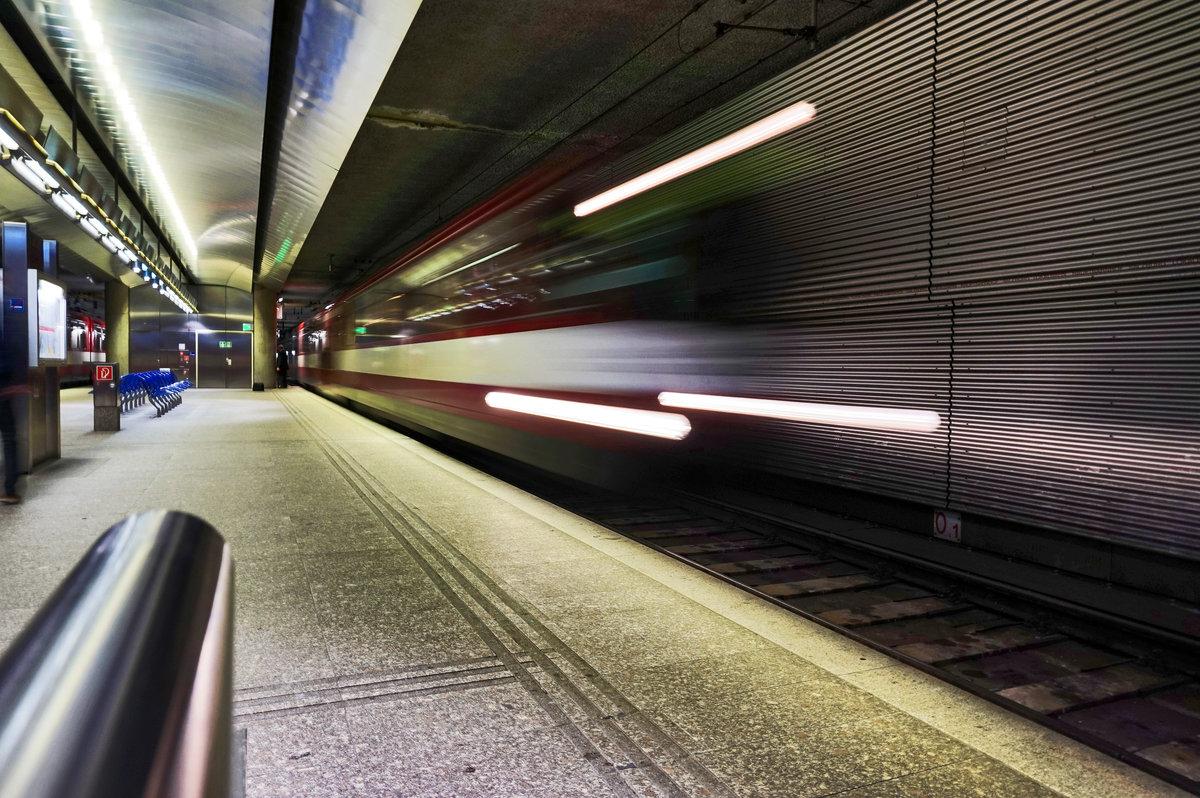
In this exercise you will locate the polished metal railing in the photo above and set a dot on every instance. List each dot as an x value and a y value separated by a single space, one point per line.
121 685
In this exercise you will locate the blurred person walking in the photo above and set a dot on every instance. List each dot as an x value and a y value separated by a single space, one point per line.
10 388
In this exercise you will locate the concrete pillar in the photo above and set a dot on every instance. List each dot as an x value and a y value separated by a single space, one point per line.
264 337
116 323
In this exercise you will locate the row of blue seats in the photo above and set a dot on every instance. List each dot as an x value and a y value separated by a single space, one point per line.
159 388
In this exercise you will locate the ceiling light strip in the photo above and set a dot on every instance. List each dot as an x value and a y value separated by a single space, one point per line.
22 160
89 25
893 418
653 423
774 125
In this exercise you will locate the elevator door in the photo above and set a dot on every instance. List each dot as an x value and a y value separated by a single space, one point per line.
223 359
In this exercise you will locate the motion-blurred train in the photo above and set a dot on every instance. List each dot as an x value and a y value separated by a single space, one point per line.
85 346
877 271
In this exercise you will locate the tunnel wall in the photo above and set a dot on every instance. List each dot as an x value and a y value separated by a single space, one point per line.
993 217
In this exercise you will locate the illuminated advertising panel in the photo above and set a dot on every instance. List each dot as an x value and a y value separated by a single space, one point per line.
51 322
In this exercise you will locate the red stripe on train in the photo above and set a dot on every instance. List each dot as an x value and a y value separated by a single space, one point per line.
467 400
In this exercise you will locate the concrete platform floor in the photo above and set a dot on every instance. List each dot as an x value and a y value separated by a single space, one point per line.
408 626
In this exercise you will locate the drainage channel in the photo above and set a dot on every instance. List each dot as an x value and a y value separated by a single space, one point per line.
1113 698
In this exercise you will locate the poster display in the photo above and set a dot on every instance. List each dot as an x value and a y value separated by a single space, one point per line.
50 320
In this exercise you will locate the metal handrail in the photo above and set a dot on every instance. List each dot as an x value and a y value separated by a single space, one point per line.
122 683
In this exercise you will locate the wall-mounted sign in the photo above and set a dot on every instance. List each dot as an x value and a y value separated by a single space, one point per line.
225 344
947 526
247 326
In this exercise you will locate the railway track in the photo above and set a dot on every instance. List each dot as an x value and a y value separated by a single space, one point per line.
1124 698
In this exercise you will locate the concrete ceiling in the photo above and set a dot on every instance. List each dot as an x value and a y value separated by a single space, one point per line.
481 91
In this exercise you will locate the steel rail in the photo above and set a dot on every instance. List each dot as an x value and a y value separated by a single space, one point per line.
122 682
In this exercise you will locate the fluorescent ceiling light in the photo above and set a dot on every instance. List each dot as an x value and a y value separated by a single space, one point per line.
626 419
109 243
131 124
777 123
8 141
75 204
897 418
62 202
33 174
94 227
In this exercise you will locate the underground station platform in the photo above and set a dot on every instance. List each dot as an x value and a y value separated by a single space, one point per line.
407 625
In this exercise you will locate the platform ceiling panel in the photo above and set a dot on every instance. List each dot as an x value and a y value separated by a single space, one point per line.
344 52
181 87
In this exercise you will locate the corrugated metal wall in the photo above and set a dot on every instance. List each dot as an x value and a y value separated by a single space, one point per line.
1066 202
995 216
838 261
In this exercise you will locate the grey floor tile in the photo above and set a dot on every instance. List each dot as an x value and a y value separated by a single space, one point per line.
334 573
720 721
376 639
424 724
683 683
827 760
295 755
279 650
614 642
537 764
981 777
595 574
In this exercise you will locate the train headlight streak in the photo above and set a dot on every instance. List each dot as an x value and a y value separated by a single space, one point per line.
774 125
626 419
896 418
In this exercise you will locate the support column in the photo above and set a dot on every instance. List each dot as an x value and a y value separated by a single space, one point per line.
263 343
116 324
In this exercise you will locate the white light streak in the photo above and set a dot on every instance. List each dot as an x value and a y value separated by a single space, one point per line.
131 122
895 418
776 124
473 263
626 419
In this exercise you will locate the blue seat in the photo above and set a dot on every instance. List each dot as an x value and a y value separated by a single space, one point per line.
160 388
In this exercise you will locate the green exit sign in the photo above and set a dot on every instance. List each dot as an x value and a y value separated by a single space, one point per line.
247 326
360 330
225 344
